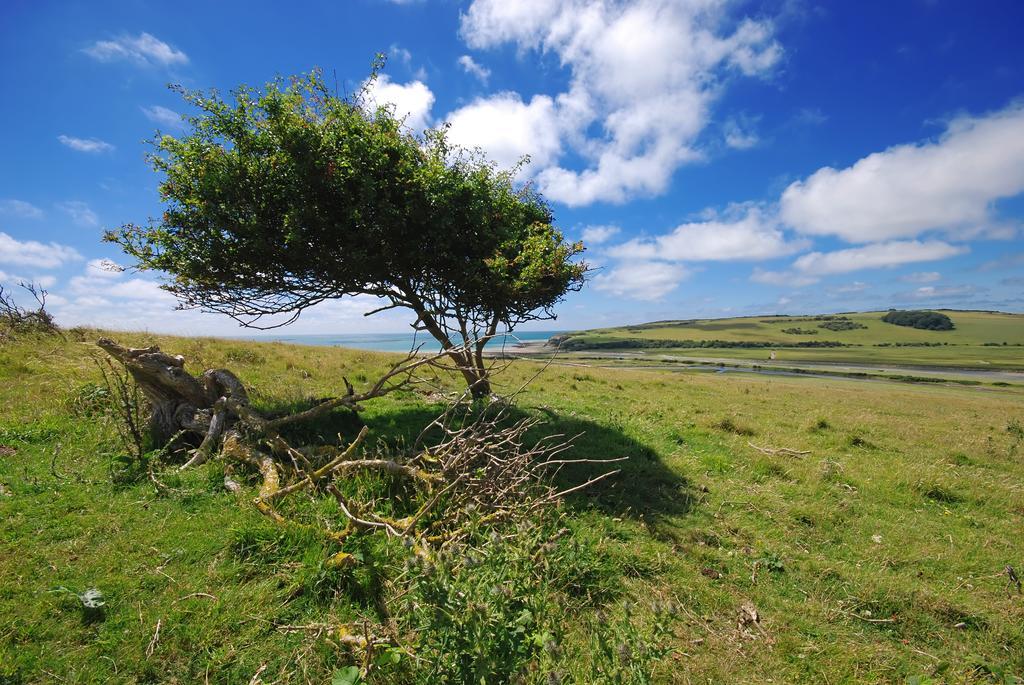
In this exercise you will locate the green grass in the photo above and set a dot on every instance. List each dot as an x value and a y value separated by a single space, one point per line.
977 342
877 557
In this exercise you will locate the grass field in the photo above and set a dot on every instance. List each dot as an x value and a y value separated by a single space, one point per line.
980 339
878 556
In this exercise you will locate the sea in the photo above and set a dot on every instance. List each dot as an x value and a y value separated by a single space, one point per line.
400 342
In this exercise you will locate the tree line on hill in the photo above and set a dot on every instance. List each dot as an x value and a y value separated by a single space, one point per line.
925 320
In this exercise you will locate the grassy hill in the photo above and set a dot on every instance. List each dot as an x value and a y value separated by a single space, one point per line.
980 339
873 552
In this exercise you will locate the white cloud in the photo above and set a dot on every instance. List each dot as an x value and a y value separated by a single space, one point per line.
875 256
921 277
810 116
401 54
644 75
641 280
948 185
855 287
42 281
470 66
79 212
740 134
744 233
811 267
595 235
143 50
85 144
507 129
31 253
162 116
784 279
411 101
931 292
20 208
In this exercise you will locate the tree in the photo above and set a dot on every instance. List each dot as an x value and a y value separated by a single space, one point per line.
285 198
926 320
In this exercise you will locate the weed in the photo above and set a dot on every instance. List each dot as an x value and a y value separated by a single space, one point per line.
857 440
727 425
237 355
938 493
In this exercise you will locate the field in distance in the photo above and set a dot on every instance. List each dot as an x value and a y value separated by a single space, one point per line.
979 339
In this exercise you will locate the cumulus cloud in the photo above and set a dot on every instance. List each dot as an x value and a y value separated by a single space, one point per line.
949 185
744 233
31 253
875 256
931 292
642 280
811 267
855 287
43 281
85 144
508 129
80 213
739 133
471 67
644 75
20 208
596 235
143 50
411 101
162 116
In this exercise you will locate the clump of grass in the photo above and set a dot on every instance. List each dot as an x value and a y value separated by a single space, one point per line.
961 459
821 424
938 493
1016 430
237 355
90 399
858 440
767 470
727 425
831 469
677 436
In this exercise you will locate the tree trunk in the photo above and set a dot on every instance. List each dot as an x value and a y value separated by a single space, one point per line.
178 400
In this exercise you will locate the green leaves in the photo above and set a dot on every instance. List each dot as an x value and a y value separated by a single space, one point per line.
348 675
290 196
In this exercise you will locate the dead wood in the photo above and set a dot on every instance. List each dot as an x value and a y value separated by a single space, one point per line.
784 451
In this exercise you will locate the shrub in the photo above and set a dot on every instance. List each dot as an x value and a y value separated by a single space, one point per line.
730 426
931 321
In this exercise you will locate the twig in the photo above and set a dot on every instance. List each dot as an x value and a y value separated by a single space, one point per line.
256 676
53 463
156 638
194 594
780 450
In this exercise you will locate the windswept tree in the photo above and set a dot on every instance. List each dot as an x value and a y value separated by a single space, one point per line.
280 199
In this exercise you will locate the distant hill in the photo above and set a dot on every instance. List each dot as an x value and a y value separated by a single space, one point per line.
854 336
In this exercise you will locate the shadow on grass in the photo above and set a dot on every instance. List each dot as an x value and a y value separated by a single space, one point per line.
644 489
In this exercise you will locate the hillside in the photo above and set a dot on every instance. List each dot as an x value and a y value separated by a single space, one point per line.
874 550
979 340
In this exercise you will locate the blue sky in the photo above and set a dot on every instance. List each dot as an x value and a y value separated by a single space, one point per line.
718 158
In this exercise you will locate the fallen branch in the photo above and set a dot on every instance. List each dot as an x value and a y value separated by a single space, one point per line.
785 451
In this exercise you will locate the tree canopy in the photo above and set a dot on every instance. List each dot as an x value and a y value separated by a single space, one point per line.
931 321
280 199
